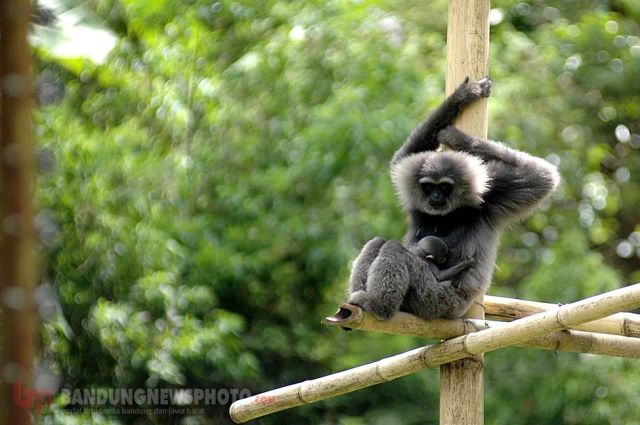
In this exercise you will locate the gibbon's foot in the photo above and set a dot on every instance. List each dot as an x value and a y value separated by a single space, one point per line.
360 299
366 302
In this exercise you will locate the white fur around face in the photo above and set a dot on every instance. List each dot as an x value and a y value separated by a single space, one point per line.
406 174
478 173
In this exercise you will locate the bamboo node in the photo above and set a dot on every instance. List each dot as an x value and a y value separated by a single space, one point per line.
299 393
384 378
627 327
559 319
465 347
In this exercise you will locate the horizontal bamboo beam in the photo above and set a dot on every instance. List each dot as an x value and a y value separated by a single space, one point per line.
501 308
626 324
352 317
516 332
566 340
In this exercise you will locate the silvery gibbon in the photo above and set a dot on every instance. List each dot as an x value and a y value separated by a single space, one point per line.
465 196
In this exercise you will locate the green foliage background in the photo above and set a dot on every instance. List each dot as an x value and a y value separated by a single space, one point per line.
215 175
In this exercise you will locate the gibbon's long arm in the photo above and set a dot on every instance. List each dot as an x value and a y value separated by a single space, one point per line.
519 181
425 136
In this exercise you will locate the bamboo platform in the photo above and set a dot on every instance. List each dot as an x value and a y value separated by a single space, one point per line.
550 328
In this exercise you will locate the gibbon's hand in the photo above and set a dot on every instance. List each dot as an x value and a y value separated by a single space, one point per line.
476 89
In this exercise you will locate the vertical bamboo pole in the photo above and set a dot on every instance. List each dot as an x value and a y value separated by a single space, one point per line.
461 382
17 269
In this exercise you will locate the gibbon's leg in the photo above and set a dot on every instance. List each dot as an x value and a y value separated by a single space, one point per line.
358 278
399 280
430 299
388 281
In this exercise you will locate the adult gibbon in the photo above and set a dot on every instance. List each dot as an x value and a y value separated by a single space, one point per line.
466 197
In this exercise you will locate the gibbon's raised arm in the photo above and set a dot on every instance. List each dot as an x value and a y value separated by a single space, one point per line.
425 136
518 181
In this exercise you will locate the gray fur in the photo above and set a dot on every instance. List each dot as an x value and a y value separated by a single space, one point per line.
434 250
493 186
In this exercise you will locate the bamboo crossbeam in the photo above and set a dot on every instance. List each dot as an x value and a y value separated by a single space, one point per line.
516 332
501 308
566 340
626 324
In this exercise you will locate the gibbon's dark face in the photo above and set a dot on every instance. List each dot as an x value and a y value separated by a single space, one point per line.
436 192
440 182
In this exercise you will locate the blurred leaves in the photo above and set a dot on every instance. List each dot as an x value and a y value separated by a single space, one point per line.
215 175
